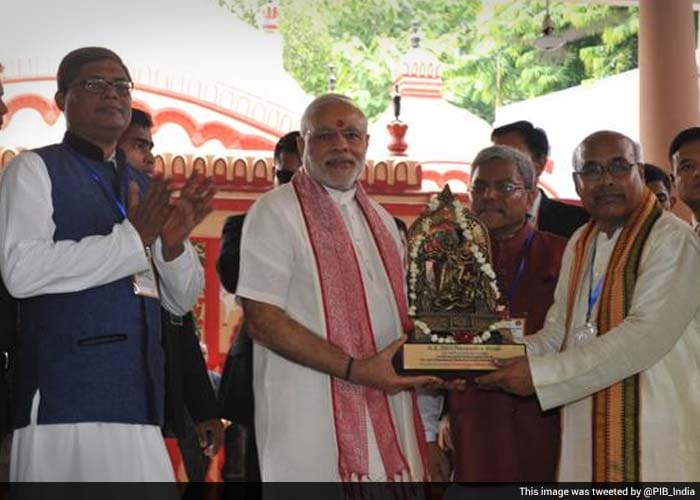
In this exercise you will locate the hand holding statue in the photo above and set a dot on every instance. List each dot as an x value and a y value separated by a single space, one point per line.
512 376
378 371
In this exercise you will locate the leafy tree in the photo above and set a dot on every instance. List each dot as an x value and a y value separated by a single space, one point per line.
486 47
246 10
501 65
363 40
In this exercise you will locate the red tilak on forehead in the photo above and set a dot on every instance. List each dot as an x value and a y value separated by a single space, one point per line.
339 123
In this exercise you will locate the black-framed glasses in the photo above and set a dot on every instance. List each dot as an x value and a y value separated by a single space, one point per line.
100 86
504 189
593 171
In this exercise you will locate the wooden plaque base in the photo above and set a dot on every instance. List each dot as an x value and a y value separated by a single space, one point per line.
452 360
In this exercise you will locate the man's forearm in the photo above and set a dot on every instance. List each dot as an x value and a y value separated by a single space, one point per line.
271 327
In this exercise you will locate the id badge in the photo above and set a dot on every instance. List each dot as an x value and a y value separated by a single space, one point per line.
516 326
585 334
146 282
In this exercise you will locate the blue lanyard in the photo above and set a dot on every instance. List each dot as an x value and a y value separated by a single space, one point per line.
593 294
521 267
105 189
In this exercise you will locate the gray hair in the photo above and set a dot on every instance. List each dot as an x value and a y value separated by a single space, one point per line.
505 153
577 157
322 101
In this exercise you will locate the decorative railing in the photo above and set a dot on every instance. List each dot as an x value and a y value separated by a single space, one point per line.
255 173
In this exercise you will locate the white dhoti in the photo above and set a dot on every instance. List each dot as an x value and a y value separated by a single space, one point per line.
88 452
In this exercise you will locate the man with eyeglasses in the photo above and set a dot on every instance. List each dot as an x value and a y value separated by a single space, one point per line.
82 236
323 292
545 214
496 436
684 154
621 344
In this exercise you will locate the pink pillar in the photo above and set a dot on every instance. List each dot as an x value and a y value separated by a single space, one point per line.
668 77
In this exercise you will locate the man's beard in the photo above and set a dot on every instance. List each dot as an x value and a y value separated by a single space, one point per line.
318 173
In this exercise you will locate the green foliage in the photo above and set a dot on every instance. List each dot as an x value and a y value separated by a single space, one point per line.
246 10
363 40
486 48
308 46
501 65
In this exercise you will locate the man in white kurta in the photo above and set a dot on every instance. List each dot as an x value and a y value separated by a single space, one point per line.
37 265
294 417
659 338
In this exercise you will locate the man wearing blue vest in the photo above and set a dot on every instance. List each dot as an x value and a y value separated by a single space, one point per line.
92 248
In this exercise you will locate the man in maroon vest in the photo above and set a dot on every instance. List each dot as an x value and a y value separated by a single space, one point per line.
496 436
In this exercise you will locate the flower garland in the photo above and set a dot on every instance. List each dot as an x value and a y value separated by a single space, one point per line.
437 339
484 336
485 267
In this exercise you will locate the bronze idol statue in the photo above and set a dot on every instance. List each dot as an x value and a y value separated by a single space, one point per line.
460 321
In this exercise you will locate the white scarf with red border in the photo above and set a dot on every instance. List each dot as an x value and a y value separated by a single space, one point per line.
348 326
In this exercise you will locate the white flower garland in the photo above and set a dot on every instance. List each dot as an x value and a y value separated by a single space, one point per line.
484 337
485 267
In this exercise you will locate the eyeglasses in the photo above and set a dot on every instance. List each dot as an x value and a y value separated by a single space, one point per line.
592 171
504 189
100 86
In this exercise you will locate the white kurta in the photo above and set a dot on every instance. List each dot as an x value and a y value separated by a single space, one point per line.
293 411
33 264
659 339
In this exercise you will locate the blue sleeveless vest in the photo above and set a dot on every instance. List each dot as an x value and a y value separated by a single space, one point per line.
95 355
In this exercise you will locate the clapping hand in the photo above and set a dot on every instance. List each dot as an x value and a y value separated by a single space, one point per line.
191 208
149 215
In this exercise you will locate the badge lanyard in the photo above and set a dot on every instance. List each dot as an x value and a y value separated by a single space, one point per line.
145 283
521 267
593 292
105 190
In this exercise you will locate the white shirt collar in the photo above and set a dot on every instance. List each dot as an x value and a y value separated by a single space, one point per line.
113 159
535 209
341 197
603 236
